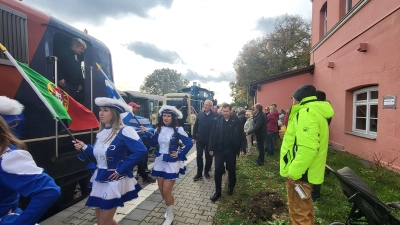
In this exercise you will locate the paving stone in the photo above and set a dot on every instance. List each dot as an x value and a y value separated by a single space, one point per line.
147 223
178 213
202 222
88 217
188 215
75 221
194 221
179 223
195 211
180 219
138 214
156 220
155 198
147 205
125 221
185 209
200 217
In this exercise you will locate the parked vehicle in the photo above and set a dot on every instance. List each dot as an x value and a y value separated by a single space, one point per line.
196 97
149 104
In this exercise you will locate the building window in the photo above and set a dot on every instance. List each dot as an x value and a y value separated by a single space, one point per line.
349 5
13 34
365 111
323 20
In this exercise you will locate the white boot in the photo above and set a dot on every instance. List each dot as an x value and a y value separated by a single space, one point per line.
169 215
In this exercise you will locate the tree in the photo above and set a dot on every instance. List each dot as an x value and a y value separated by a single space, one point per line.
285 49
163 81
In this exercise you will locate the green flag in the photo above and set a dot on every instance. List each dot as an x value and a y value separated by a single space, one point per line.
49 91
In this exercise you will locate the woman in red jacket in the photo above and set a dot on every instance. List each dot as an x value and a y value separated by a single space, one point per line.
272 129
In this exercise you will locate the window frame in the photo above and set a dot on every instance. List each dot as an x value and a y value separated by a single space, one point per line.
368 102
14 26
349 5
326 19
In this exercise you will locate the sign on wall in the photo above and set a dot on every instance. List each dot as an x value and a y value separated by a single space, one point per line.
389 101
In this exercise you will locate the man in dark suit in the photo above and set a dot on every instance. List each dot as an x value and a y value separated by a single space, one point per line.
224 145
70 77
201 137
260 130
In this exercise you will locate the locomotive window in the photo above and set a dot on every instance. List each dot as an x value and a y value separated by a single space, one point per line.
151 106
13 34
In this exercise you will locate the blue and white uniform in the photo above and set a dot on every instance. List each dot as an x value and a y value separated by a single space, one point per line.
168 139
19 175
112 156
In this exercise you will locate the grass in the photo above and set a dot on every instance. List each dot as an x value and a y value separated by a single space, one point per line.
333 205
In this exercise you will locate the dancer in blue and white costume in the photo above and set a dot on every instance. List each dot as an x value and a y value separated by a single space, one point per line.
113 182
169 160
19 174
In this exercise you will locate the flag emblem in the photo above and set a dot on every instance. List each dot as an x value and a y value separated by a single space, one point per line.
61 95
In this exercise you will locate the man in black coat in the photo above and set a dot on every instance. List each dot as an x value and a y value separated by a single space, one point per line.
224 145
260 130
69 76
201 137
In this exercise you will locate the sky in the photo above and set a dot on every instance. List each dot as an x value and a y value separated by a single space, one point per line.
198 38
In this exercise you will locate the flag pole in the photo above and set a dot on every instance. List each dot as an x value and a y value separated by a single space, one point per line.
36 90
99 68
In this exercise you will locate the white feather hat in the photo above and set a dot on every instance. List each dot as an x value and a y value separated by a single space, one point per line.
10 106
171 110
119 105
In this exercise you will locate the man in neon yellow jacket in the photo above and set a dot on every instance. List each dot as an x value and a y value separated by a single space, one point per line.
304 151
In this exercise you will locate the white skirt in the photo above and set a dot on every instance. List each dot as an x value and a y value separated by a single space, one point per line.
168 170
107 195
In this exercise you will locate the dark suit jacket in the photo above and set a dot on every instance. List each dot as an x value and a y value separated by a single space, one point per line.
202 126
215 143
260 125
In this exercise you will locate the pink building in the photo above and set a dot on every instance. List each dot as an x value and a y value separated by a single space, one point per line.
355 57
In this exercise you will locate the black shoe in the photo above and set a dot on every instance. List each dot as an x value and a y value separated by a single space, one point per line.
207 176
230 191
215 197
258 164
197 177
149 179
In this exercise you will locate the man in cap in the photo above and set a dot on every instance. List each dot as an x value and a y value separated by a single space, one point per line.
135 107
143 171
304 151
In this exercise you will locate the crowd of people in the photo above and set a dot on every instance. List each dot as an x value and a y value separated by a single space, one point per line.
220 133
305 133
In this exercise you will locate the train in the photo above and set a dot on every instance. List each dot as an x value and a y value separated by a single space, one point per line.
36 39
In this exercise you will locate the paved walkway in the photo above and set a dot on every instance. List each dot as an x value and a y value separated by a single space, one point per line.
192 203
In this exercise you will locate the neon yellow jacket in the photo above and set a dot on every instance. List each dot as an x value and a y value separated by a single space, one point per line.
305 144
